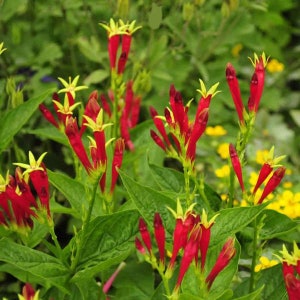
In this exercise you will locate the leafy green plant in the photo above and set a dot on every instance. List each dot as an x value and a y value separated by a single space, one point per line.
126 203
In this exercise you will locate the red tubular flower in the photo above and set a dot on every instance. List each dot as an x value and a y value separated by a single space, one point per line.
160 126
190 252
292 285
74 137
180 236
263 174
125 122
160 236
139 246
180 113
125 133
91 110
257 85
15 209
227 253
105 105
48 115
203 105
113 44
196 132
145 235
135 111
236 164
109 282
204 243
235 91
122 62
101 157
117 162
23 186
28 292
40 181
126 43
272 183
157 140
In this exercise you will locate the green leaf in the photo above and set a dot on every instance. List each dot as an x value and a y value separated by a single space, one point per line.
149 201
155 16
108 240
45 269
267 280
50 133
11 8
49 54
168 179
172 182
256 295
232 220
186 296
96 77
129 288
14 120
73 190
85 289
275 224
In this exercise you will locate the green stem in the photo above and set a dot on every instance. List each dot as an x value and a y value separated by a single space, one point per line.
201 189
231 188
187 184
54 238
254 257
85 225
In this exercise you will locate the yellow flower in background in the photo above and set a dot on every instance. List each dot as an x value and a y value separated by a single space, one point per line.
275 66
223 150
253 178
223 171
261 156
235 51
287 203
264 263
215 131
287 185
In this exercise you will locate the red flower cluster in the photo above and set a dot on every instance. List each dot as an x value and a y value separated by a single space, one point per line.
119 33
18 204
256 87
93 118
128 106
128 110
265 171
183 133
192 236
291 272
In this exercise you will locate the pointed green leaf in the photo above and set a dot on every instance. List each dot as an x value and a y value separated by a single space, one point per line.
128 287
50 133
73 190
172 182
275 224
149 201
109 240
45 269
14 120
232 220
256 295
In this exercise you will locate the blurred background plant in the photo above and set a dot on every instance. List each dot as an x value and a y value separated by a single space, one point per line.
180 42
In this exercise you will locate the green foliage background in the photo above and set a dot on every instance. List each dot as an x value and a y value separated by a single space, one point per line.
180 42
